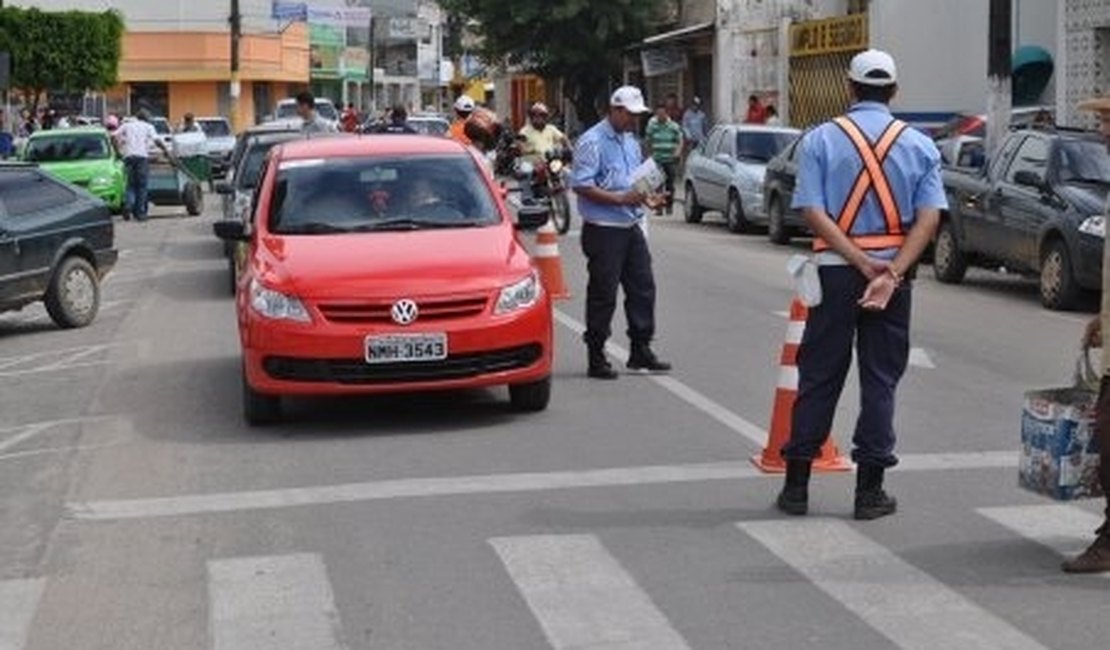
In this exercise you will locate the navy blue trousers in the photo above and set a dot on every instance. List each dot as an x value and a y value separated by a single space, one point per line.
882 342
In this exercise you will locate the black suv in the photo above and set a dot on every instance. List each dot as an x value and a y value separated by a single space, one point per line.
56 245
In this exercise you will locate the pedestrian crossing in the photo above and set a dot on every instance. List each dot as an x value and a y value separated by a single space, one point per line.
579 594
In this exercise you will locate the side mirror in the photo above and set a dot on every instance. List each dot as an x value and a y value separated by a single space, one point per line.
1028 178
224 187
231 230
532 217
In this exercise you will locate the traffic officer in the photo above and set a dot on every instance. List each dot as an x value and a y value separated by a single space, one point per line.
613 236
870 189
1096 558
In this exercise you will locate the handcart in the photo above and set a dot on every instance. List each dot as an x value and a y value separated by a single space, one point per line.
171 182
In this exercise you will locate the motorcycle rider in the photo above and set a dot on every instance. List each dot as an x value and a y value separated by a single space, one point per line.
539 137
464 106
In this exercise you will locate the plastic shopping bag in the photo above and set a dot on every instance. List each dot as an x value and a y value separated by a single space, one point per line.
807 281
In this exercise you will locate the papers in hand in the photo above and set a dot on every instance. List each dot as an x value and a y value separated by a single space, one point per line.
647 178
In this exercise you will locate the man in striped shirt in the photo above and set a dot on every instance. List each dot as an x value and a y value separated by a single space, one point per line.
664 141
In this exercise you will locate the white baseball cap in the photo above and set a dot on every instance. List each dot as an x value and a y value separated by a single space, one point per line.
629 98
464 104
873 68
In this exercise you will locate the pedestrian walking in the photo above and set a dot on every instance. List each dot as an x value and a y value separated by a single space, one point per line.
134 139
693 125
870 189
613 236
311 121
1096 558
664 141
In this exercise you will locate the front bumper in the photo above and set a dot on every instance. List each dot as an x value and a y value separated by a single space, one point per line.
323 358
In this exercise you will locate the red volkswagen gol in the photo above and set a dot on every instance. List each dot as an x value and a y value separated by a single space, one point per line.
386 264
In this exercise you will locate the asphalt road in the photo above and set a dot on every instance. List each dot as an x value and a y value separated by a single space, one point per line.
140 513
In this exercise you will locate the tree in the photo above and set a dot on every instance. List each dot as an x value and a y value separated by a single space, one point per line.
582 42
68 51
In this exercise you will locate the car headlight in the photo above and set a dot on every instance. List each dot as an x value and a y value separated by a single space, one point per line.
520 295
556 166
276 305
1094 226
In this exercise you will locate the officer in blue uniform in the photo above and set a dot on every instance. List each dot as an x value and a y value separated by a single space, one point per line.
870 189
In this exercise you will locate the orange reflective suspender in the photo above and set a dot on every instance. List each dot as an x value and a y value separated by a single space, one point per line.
871 178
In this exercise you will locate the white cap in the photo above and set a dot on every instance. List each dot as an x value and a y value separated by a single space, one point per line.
539 107
629 98
873 68
464 104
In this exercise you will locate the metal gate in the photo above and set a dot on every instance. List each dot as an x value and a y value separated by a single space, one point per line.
820 51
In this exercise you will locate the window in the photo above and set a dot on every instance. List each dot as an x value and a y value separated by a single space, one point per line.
714 142
1083 161
68 148
26 192
1032 156
215 128
999 162
762 146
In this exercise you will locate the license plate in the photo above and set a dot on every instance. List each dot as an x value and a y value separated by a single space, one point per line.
406 348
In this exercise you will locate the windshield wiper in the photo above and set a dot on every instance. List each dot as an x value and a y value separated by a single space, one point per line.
312 228
406 223
1079 179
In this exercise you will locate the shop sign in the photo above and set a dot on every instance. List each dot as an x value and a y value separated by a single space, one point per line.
842 34
659 61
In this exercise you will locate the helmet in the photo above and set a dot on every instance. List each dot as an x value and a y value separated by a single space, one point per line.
539 107
464 104
482 128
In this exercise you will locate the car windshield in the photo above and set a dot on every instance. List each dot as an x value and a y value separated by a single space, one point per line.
762 146
251 167
1083 161
68 148
215 128
161 126
366 194
429 126
286 110
327 111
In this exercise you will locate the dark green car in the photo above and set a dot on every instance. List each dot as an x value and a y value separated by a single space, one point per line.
83 156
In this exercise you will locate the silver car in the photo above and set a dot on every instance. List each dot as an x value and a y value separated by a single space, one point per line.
725 173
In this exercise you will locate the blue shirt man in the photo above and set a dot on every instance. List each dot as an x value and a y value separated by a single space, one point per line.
870 190
612 237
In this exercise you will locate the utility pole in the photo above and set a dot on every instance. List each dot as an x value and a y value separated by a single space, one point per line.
999 67
236 22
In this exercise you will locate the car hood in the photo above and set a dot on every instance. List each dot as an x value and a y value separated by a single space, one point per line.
222 145
1088 198
80 171
390 264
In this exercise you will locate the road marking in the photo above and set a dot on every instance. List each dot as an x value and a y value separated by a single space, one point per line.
1065 529
782 314
27 431
18 601
919 358
582 596
900 601
26 434
201 504
272 603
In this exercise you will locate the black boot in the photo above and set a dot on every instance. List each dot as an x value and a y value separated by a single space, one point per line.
600 368
872 502
643 359
794 498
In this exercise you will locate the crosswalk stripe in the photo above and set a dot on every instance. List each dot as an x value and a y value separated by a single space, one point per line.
582 596
281 602
1065 529
905 604
18 601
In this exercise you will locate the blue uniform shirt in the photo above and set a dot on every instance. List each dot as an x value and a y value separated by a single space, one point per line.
606 159
829 163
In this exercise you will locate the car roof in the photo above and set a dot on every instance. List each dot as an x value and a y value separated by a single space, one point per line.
76 130
369 145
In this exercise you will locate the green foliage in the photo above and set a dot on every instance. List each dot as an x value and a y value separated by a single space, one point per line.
580 41
67 51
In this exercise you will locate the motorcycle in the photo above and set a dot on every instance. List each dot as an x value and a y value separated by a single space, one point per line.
545 181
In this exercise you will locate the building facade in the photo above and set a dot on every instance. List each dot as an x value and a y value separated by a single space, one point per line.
1083 32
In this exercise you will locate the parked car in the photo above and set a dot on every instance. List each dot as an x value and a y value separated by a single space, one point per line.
726 172
84 156
384 265
165 131
221 142
967 151
56 245
285 113
1036 208
783 222
238 190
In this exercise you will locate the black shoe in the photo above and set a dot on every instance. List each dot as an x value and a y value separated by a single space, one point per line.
600 368
644 360
794 498
872 502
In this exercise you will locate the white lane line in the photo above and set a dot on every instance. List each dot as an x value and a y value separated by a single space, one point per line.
69 360
752 432
26 434
1065 529
919 358
898 600
28 431
18 601
8 362
781 314
201 504
36 371
582 596
272 603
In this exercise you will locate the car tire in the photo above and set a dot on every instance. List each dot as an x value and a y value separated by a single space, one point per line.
949 262
1059 289
73 296
691 209
194 199
777 230
259 410
532 397
734 215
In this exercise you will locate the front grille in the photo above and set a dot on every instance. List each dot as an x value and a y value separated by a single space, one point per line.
380 312
357 371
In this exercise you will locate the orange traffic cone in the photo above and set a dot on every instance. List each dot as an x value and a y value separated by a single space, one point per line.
548 261
782 416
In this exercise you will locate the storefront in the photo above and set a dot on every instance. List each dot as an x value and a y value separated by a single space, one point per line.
678 62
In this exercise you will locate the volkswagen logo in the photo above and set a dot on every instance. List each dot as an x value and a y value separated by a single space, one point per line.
404 312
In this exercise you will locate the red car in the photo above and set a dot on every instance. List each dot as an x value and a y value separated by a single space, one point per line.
386 264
